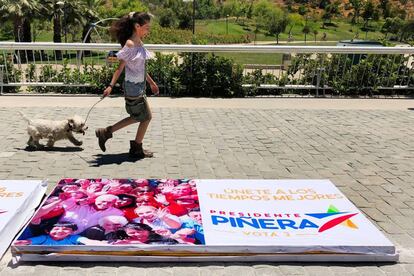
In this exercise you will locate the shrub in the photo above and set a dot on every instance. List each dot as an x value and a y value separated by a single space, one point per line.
355 74
163 70
10 73
208 75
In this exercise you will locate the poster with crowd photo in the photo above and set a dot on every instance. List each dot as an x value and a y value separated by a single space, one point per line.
117 212
200 220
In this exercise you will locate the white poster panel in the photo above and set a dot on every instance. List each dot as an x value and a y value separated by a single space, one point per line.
18 200
312 215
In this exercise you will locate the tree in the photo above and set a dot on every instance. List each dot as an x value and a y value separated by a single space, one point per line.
20 13
306 30
167 18
315 33
235 8
370 11
330 11
271 18
392 25
88 13
294 19
69 13
207 9
385 7
302 10
356 6
276 22
404 3
407 32
261 8
324 3
183 12
185 20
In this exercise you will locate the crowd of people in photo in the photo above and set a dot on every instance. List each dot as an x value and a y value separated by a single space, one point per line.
118 212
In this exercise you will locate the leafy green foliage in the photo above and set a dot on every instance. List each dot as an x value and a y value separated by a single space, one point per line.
354 74
164 71
13 74
207 75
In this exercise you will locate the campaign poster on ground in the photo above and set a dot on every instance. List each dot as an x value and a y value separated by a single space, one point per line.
194 217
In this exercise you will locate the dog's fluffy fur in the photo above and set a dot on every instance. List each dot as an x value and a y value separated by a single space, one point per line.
54 131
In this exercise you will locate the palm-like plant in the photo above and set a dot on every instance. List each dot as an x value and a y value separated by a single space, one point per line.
55 10
20 13
88 15
357 6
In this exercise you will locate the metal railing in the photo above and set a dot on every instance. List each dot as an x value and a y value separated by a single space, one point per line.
44 67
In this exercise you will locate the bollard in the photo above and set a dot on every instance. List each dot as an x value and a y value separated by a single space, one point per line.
1 79
318 81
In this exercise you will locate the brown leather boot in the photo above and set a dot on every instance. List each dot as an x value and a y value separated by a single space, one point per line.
136 151
103 135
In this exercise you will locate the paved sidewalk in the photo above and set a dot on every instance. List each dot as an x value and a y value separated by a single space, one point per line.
366 147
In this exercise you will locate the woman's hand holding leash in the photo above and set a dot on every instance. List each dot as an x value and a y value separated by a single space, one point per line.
107 91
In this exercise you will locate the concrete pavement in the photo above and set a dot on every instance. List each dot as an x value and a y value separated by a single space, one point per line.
250 103
365 147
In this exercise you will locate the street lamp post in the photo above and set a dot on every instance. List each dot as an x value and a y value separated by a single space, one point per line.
65 28
227 24
366 28
193 17
62 5
194 8
306 26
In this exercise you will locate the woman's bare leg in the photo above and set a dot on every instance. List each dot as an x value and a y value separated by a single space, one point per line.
142 128
123 123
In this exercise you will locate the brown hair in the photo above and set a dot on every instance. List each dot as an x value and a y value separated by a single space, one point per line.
123 28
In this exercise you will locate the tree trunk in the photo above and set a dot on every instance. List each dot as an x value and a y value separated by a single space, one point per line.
20 55
84 32
17 25
85 40
27 37
27 32
355 17
57 34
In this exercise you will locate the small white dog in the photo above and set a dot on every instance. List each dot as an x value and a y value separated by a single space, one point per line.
54 130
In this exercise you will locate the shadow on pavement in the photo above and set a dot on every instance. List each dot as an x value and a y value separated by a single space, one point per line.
107 159
58 149
169 265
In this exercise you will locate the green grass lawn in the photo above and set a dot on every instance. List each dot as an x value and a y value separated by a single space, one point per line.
44 36
268 59
342 30
253 58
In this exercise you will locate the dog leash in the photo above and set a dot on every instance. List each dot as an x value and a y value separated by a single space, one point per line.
87 116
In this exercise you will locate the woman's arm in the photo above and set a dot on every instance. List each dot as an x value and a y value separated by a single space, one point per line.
115 78
153 85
